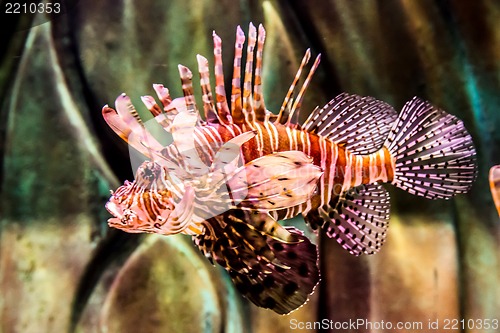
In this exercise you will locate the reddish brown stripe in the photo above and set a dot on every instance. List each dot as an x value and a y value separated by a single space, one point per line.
388 164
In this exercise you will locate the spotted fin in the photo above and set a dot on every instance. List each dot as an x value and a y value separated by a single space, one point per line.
358 219
434 154
269 272
360 123
275 181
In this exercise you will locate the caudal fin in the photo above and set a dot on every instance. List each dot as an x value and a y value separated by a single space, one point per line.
434 153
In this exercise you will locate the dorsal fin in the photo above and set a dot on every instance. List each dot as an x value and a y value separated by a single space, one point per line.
248 110
293 118
236 108
258 97
187 88
208 102
220 92
361 123
286 106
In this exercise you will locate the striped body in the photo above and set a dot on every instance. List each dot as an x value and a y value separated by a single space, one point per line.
342 169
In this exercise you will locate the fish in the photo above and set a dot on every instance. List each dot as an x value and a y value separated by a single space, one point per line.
228 178
495 186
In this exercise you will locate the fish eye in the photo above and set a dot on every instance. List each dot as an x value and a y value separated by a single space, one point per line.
148 173
157 225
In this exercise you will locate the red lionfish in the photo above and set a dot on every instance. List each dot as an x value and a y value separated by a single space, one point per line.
228 178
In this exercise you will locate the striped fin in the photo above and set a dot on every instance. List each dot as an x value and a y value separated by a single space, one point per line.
208 102
358 219
262 221
187 89
434 154
269 272
275 181
236 108
360 123
171 108
258 96
127 124
151 105
495 185
283 115
165 119
163 95
220 92
247 83
132 131
128 113
293 118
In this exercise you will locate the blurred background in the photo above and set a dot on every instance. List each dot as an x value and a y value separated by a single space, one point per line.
63 270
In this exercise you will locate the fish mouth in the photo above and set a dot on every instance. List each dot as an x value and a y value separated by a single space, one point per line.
123 218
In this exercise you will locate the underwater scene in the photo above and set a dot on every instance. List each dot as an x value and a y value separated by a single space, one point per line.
251 166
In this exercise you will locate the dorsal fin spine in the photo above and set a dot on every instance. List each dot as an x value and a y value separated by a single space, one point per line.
236 109
220 93
281 116
258 97
294 112
247 83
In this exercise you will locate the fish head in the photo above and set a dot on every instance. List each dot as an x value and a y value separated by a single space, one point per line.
145 205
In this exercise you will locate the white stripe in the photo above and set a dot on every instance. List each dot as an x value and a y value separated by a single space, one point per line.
295 139
383 173
289 134
230 129
270 133
322 147
308 144
276 135
202 141
373 168
213 134
347 173
260 140
332 170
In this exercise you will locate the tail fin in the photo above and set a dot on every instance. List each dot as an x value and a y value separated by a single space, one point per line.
434 154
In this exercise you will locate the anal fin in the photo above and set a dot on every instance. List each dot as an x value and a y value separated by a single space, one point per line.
358 220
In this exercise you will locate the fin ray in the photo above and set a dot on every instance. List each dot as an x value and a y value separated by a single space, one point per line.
361 123
434 154
358 221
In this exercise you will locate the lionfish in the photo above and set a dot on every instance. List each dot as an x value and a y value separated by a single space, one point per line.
228 178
